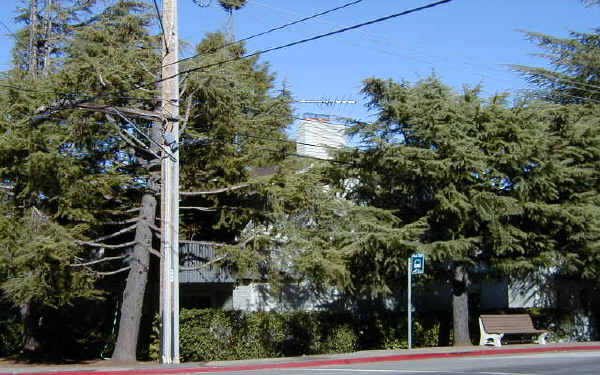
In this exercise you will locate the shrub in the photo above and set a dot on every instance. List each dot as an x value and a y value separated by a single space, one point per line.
341 339
210 335
11 336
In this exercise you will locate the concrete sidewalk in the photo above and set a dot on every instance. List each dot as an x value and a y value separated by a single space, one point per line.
371 356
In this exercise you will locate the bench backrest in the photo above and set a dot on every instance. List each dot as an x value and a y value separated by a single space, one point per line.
507 323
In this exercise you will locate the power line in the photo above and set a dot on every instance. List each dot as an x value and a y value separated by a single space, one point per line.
571 81
302 41
158 15
374 37
6 27
275 29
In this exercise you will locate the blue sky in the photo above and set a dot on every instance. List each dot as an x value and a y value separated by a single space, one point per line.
464 42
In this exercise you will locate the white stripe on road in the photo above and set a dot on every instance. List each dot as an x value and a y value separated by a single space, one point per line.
529 356
391 371
414 371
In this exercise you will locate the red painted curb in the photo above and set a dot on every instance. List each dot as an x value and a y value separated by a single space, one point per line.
325 362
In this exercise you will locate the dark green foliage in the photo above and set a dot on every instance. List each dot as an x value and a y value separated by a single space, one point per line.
573 76
474 184
211 335
231 5
11 331
233 128
70 167
36 254
317 234
41 43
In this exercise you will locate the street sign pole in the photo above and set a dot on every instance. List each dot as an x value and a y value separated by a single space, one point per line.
409 309
416 265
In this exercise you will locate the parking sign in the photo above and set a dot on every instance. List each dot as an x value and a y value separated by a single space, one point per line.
417 264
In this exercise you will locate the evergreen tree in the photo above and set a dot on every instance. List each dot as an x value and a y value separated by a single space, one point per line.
572 137
233 127
470 182
314 235
98 161
49 23
573 76
231 5
77 166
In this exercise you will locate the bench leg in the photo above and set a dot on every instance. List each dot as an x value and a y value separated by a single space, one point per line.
542 338
491 339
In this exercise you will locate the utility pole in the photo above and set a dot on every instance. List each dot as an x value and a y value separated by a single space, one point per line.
170 188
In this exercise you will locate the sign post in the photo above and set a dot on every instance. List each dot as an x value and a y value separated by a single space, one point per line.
416 266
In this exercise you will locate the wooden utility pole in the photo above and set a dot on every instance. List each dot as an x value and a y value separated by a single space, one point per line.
170 188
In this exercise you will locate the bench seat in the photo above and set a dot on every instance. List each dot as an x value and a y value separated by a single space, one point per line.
494 327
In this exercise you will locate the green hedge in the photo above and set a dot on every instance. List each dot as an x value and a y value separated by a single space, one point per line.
211 335
11 337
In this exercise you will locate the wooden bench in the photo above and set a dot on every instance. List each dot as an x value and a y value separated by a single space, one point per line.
494 327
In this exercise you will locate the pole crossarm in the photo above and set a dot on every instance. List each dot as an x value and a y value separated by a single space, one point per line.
45 112
215 191
115 110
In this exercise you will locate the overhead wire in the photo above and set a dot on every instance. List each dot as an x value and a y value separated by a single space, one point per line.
298 42
346 28
271 30
6 27
379 38
287 45
162 28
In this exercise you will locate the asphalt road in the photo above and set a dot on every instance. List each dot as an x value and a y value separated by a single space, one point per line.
580 363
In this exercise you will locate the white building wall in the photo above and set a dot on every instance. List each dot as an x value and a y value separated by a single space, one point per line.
325 137
258 297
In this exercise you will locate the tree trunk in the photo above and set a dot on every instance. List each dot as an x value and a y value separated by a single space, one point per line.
133 296
31 344
47 37
460 306
33 38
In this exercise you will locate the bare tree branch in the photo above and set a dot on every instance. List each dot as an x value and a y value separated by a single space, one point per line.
105 259
185 84
125 230
155 252
112 272
247 241
98 107
106 246
188 110
216 191
153 75
132 141
207 264
203 209
117 212
129 221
